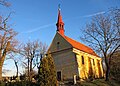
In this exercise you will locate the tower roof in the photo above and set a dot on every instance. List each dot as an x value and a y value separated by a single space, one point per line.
60 23
59 17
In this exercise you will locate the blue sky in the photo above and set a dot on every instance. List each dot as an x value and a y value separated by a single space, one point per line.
36 19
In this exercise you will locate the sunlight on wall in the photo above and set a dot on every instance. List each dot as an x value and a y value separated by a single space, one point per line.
92 67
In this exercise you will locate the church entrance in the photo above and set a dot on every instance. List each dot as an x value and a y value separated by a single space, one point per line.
59 75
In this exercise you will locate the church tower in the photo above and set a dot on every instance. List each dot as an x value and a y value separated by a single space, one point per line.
60 23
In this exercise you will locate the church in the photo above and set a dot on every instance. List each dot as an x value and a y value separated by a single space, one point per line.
73 58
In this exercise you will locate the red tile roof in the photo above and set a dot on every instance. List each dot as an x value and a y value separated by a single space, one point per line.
80 46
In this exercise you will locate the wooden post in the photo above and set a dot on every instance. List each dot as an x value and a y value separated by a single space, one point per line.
74 78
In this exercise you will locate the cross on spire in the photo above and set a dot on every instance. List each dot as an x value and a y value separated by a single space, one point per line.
59 6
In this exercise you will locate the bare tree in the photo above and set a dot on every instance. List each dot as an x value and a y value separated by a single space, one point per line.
8 42
103 35
5 3
32 51
12 56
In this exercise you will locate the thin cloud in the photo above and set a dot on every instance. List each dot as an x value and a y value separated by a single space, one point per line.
94 14
38 28
48 25
91 15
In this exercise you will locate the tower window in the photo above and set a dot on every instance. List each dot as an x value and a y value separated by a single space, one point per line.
82 60
62 26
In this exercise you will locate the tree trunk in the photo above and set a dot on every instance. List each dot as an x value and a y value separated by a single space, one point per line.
16 68
31 69
28 70
107 74
107 69
1 65
0 72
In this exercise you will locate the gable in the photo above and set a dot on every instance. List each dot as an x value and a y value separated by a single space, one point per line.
62 42
59 43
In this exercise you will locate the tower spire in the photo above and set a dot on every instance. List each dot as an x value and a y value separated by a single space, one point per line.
60 23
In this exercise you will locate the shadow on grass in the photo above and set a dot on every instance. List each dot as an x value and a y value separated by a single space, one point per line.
99 82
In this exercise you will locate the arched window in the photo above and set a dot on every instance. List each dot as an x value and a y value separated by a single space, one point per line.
62 26
82 60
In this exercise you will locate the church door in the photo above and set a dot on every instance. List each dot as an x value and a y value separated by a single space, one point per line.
59 75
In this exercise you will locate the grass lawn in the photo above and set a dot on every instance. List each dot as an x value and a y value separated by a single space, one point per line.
96 82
